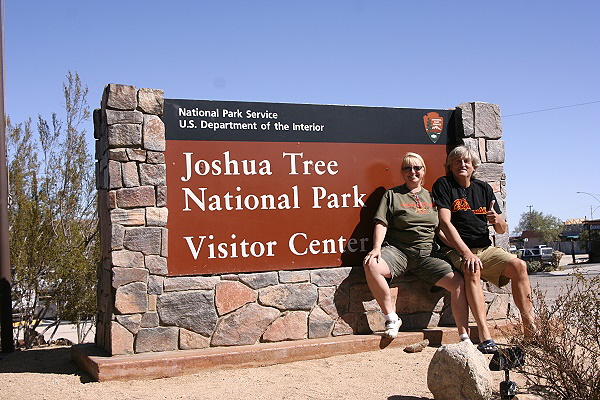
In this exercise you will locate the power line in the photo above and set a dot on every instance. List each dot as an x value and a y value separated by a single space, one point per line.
550 109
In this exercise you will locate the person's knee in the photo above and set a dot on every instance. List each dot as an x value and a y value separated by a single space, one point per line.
471 277
517 270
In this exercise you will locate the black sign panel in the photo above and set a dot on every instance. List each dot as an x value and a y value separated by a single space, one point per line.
283 122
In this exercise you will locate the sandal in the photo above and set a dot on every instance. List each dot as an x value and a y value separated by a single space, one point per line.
488 347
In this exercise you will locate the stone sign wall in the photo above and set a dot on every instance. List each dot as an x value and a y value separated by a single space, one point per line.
141 309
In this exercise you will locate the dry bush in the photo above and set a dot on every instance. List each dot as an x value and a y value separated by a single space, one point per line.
563 355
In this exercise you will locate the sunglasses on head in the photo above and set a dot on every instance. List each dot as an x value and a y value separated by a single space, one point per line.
415 167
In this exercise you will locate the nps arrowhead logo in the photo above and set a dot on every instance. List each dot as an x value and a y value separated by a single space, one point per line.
433 125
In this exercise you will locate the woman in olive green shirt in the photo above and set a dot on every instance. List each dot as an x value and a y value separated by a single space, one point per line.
405 225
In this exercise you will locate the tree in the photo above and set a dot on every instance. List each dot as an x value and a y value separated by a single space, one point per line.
52 218
548 226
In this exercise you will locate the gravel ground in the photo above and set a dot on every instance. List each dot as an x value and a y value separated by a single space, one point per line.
392 374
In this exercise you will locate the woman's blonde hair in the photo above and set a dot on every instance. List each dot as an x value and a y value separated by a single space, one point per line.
460 153
411 159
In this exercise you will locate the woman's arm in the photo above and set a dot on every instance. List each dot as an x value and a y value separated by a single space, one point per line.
378 236
452 237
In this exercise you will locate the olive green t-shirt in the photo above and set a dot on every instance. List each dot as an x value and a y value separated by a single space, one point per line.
411 221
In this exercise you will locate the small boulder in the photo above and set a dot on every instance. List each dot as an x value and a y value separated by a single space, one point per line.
459 371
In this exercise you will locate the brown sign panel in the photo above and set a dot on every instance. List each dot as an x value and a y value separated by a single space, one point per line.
258 205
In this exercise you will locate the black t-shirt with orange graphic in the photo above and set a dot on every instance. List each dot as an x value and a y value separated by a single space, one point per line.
468 208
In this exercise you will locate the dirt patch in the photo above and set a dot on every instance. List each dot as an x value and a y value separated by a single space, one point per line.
392 374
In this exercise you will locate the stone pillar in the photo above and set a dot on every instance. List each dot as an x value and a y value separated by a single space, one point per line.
131 183
479 127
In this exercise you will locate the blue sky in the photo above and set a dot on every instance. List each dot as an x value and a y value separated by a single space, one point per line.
523 56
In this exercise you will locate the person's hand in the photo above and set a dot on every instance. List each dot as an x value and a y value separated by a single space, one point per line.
491 214
471 262
373 254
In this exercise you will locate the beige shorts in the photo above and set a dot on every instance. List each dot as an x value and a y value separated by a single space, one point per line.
494 260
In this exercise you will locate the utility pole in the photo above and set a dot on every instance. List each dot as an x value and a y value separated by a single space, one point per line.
530 207
6 326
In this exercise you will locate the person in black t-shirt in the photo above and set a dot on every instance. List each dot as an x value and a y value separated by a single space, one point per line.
465 207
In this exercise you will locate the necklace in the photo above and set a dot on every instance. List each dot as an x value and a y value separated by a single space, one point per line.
420 208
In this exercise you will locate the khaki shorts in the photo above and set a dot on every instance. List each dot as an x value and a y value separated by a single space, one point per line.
494 260
418 262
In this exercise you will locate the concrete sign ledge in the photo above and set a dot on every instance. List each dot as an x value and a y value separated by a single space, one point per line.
103 367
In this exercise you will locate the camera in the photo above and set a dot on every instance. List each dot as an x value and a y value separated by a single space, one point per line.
506 359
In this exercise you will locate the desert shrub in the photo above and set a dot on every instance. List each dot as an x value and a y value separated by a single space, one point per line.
562 356
535 266
556 257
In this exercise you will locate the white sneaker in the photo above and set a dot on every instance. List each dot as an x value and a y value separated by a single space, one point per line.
392 328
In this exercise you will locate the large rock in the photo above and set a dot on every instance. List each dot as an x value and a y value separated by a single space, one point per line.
459 371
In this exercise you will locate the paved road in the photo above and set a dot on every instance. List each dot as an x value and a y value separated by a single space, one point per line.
552 283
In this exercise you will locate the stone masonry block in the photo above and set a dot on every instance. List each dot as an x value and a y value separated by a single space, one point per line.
123 117
191 340
157 339
124 276
193 310
136 154
495 151
490 172
150 320
143 196
320 324
131 322
231 295
116 237
127 259
295 296
294 276
157 265
121 339
164 251
329 276
153 174
151 101
124 135
466 125
290 326
161 196
131 177
191 283
155 157
155 284
147 240
244 326
131 298
118 155
153 133
120 97
128 217
260 279
157 216
488 121
114 175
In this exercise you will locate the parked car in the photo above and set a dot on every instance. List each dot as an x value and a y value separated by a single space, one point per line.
538 253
